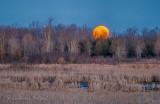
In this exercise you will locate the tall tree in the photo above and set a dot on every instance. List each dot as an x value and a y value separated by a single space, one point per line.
149 39
49 35
139 47
130 36
118 46
157 44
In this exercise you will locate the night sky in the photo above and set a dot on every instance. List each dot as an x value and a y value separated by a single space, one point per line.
117 15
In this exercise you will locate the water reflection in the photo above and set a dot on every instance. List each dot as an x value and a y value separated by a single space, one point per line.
152 85
83 85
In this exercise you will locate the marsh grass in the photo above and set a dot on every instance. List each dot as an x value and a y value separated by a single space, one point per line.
107 84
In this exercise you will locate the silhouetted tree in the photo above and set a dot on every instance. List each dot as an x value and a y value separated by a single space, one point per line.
149 39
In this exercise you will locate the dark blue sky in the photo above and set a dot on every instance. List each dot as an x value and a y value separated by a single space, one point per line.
118 15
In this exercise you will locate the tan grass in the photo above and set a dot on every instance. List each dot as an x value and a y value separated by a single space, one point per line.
122 80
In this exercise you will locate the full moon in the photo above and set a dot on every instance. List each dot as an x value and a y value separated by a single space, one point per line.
101 32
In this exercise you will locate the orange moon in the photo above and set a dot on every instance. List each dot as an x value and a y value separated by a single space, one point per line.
101 32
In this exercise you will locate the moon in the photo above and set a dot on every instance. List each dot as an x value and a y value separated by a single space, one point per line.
101 32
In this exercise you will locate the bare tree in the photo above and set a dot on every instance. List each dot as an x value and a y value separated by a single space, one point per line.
85 36
49 36
15 47
29 44
48 39
157 45
118 46
36 28
139 47
1 47
61 37
88 46
131 37
73 40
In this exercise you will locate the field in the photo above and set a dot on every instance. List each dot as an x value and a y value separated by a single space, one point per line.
80 84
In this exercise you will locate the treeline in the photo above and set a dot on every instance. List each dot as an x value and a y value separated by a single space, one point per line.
60 43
